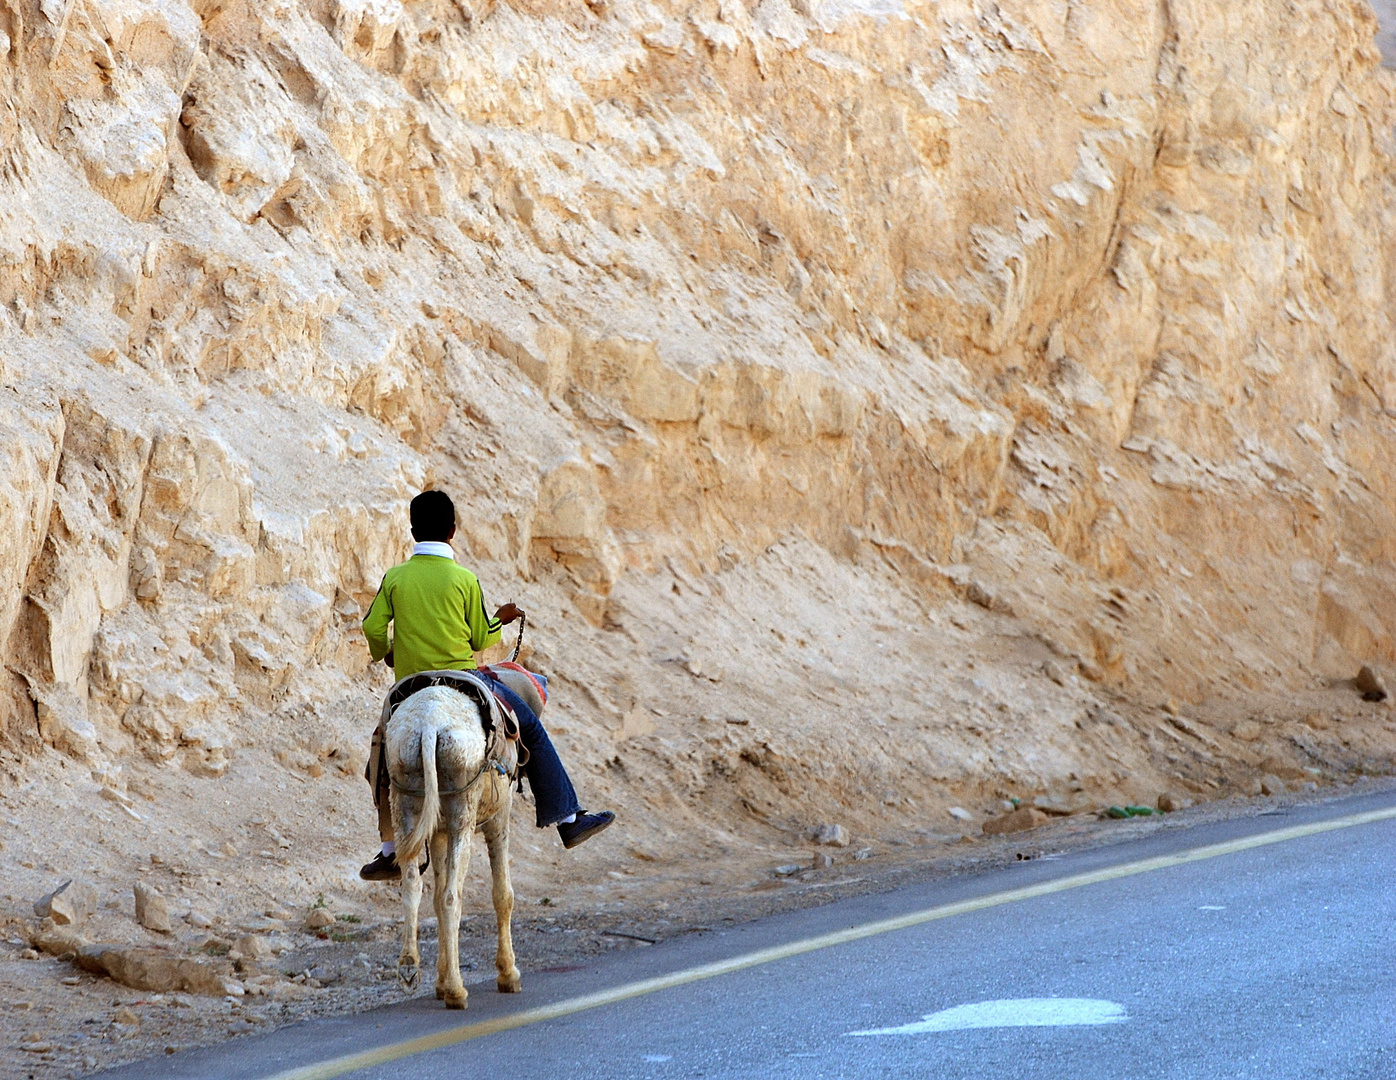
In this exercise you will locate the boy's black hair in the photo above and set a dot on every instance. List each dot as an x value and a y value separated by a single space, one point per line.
433 516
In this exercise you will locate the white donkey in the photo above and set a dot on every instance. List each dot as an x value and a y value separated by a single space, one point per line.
445 784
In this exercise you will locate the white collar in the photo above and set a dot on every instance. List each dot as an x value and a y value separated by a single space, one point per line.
434 547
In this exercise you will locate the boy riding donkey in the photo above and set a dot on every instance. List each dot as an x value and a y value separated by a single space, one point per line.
438 614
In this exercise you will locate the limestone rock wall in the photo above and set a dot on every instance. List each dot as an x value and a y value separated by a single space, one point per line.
1077 312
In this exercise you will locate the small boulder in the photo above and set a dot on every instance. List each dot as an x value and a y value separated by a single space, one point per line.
319 919
1170 802
151 910
198 920
1271 785
959 813
153 969
1370 684
250 950
254 947
68 905
1020 820
831 836
1063 805
823 861
89 957
57 940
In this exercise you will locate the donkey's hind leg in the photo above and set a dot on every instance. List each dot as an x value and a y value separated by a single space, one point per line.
451 856
496 831
409 965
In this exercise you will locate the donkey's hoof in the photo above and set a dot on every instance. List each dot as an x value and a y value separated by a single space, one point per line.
409 975
454 999
510 983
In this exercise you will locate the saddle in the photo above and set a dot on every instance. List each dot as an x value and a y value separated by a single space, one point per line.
495 713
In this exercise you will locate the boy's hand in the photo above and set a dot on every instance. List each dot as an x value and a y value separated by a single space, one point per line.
508 613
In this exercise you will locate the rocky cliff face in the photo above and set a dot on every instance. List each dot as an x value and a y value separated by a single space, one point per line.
752 339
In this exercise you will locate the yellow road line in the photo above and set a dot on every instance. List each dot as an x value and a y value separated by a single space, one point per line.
325 1070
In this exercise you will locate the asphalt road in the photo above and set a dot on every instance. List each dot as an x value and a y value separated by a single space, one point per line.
1268 962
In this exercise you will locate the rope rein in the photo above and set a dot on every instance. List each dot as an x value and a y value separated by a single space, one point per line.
518 644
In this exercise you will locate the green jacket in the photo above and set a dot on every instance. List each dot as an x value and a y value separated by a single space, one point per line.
438 614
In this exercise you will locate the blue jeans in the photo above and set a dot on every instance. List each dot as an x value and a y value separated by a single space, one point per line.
553 794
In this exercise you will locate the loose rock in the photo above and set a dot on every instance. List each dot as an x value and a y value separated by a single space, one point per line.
1272 785
959 813
250 950
70 904
151 909
1062 805
319 919
1370 684
1022 819
1170 802
831 836
57 940
151 969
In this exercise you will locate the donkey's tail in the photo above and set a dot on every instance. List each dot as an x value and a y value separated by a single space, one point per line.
411 847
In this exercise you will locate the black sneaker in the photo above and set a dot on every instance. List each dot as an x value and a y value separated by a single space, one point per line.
385 868
584 828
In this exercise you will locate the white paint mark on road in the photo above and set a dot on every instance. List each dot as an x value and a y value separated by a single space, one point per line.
1014 1012
655 1057
1211 907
